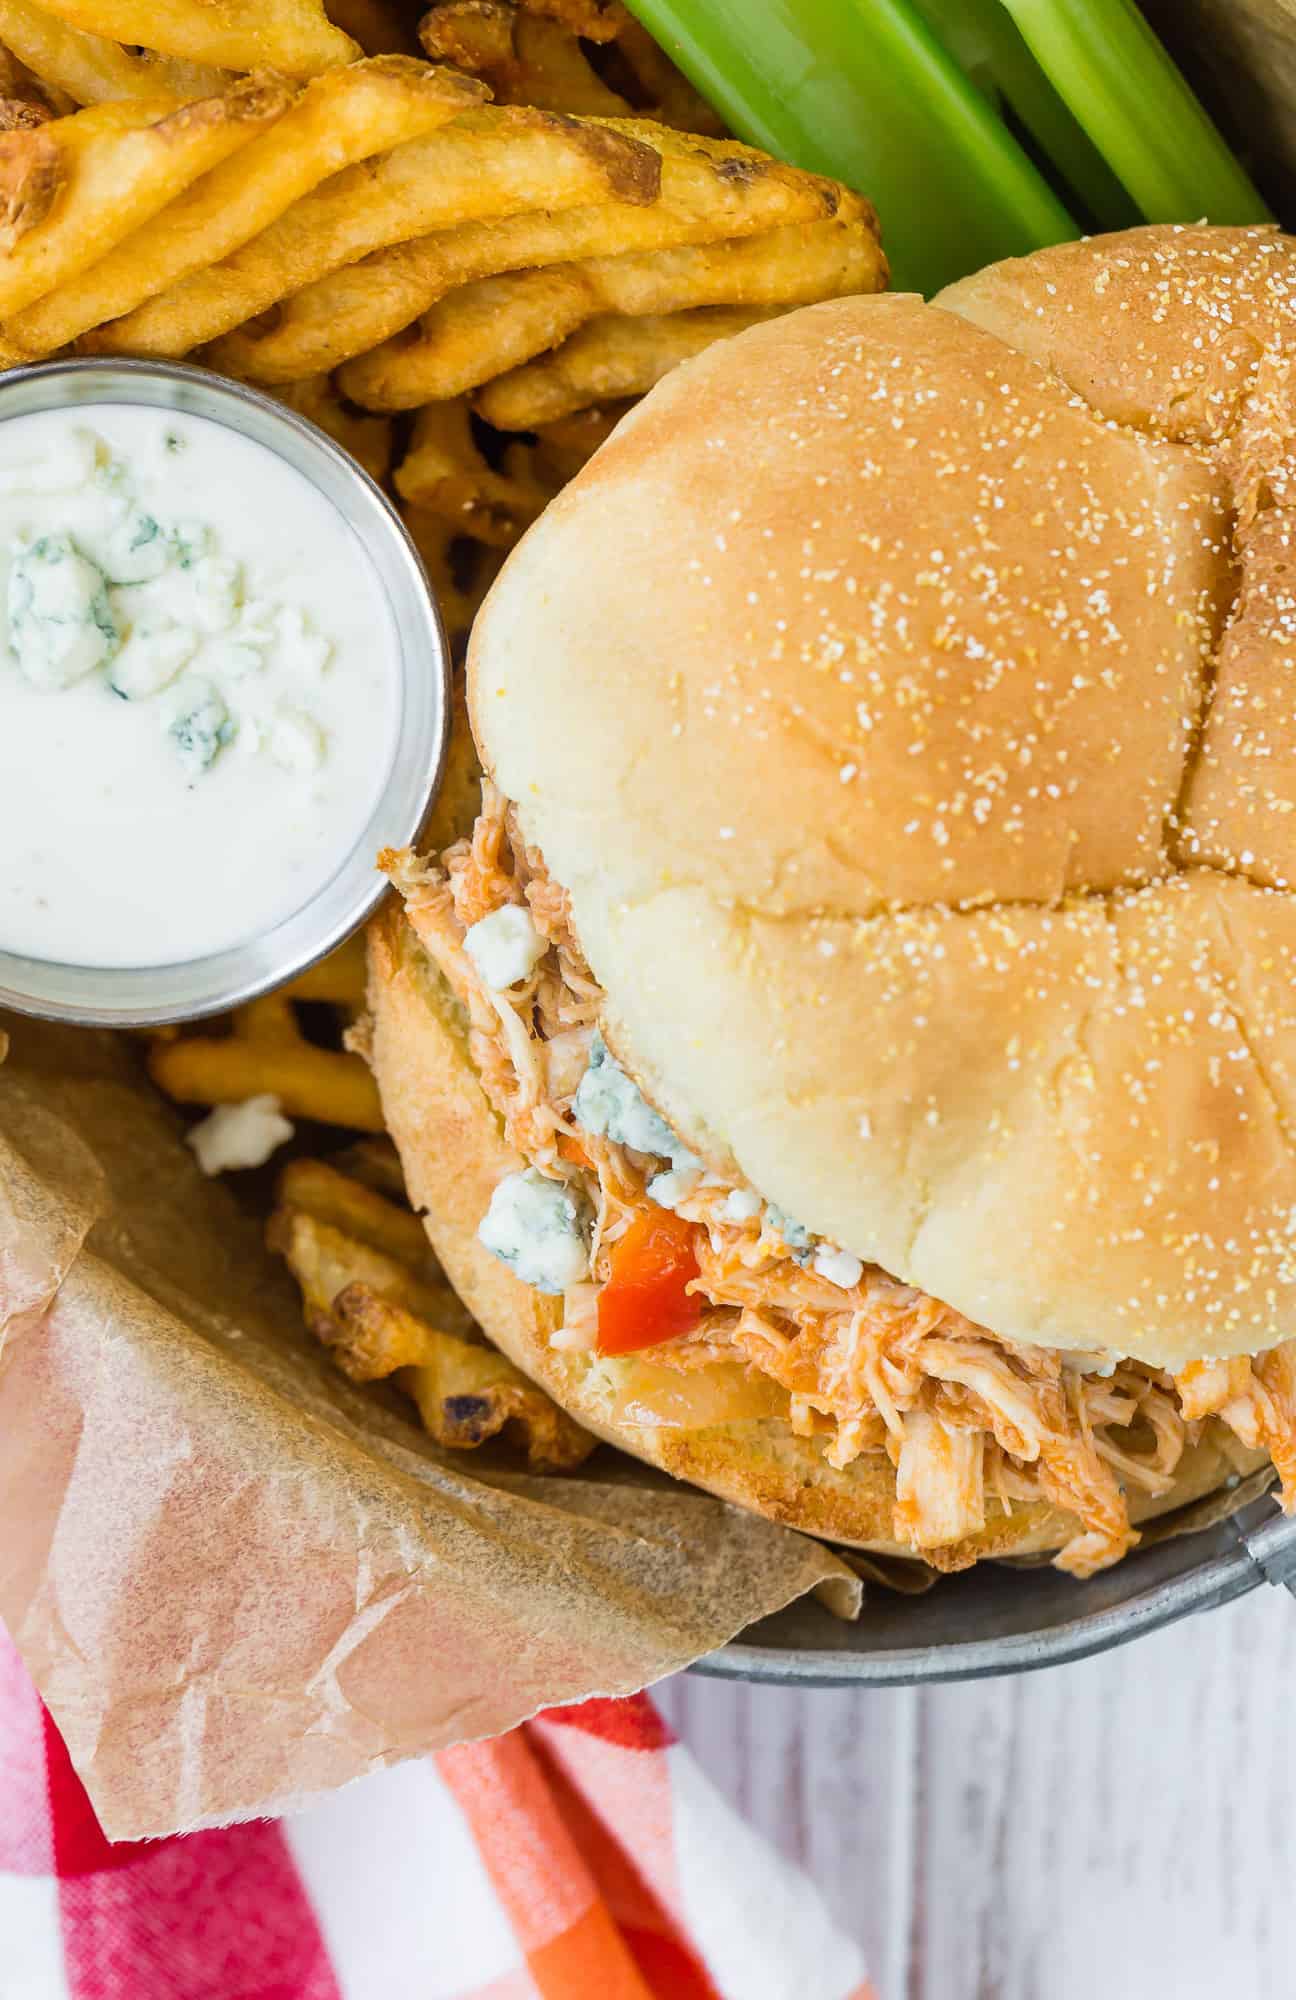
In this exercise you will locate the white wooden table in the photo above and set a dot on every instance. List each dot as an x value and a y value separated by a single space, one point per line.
1121 1829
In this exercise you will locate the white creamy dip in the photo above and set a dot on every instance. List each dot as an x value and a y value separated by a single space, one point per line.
198 687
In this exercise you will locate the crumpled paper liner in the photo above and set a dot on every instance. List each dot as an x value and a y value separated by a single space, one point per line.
239 1581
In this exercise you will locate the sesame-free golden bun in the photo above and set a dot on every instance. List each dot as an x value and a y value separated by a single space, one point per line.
903 696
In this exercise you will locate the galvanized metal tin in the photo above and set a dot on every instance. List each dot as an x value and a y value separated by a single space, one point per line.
997 1619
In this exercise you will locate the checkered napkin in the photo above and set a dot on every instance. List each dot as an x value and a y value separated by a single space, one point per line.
581 1857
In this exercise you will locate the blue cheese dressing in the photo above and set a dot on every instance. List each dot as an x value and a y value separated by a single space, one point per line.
198 687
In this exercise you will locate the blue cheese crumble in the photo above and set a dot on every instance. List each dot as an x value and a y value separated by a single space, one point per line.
61 625
144 600
505 947
795 1234
610 1104
200 728
236 1136
839 1267
741 1205
541 1229
678 1185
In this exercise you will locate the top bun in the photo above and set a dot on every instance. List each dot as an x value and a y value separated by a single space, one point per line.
903 696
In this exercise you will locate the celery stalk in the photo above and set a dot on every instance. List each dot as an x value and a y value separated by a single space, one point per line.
862 90
986 42
1119 81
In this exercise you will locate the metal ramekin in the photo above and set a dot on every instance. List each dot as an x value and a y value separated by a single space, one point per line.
119 997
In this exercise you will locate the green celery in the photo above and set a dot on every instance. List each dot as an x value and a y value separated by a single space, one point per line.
862 90
1118 79
985 41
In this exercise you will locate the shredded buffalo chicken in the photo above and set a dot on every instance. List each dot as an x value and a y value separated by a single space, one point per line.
964 1416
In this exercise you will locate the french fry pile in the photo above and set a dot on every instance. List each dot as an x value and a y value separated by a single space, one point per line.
462 245
262 1049
373 1293
536 219
585 56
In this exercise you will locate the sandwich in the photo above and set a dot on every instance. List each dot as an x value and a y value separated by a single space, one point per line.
851 1061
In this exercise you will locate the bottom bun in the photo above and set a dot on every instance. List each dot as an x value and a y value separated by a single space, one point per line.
718 1427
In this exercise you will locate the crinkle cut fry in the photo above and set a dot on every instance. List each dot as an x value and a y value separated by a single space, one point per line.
484 329
294 36
360 304
341 117
491 162
607 359
73 187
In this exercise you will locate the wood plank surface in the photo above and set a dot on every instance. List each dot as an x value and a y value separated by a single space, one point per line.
1118 1828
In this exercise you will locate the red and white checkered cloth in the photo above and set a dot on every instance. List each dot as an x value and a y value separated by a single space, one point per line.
582 1857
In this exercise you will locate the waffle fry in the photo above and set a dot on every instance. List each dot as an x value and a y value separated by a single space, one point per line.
482 330
459 570
374 1296
702 200
266 1054
564 446
325 1259
657 84
445 473
466 1391
88 68
459 799
341 117
525 58
368 439
608 358
293 36
73 187
593 20
488 163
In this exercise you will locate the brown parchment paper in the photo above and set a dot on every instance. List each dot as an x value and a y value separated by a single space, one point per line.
237 1580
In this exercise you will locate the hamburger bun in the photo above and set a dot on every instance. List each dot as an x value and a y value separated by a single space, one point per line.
719 1428
913 738
900 697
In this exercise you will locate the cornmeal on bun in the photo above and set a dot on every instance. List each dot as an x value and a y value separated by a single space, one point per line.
852 1061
